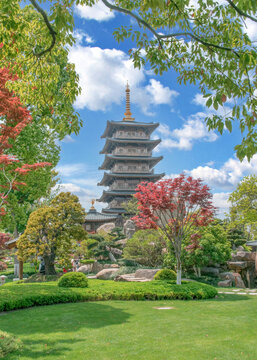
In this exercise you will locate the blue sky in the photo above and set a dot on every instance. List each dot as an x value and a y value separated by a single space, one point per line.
104 68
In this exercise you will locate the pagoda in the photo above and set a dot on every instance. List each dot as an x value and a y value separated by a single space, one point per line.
128 157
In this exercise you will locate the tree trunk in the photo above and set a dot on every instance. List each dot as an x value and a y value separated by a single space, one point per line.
49 264
199 272
179 271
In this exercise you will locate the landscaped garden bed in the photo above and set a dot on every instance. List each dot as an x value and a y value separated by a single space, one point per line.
18 296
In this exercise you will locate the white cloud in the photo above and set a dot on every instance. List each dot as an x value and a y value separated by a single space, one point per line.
159 93
81 36
229 174
103 74
193 129
68 139
220 201
98 12
71 169
85 195
250 28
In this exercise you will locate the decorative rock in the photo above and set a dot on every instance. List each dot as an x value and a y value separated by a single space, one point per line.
96 267
227 276
129 228
237 265
122 242
85 269
114 266
130 278
238 281
243 256
146 273
210 270
105 274
225 283
108 227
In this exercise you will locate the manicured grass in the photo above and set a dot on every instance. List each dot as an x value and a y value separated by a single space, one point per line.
16 296
223 329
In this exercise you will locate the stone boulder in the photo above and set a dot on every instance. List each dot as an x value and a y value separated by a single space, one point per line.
122 242
225 283
146 273
108 227
237 265
96 267
129 228
85 269
111 266
238 281
227 276
210 271
106 274
243 256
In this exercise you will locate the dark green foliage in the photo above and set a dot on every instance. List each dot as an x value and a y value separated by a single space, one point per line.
73 279
146 248
8 344
206 279
105 244
236 237
18 296
165 274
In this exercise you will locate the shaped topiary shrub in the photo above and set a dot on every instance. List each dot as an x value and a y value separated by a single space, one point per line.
8 344
165 274
73 279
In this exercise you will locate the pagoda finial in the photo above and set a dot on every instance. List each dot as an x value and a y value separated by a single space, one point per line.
93 203
128 112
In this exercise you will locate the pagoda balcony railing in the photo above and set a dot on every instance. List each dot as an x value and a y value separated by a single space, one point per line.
123 187
131 153
130 136
114 205
132 171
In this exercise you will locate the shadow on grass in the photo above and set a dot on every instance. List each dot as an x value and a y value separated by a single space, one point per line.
62 318
230 297
35 349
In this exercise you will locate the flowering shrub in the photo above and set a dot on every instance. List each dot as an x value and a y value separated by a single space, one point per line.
3 266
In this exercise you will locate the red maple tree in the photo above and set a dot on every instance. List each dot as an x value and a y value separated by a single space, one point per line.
14 117
175 206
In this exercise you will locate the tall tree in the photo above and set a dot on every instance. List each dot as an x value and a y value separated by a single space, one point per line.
52 232
175 206
35 47
243 211
14 118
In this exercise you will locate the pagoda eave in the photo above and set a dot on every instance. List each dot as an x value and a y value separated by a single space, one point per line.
108 195
110 177
150 144
111 125
109 159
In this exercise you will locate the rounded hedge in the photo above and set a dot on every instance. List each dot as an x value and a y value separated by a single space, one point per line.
73 279
165 274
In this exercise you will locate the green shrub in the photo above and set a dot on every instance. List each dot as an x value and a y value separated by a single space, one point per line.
87 261
73 279
21 296
165 274
8 344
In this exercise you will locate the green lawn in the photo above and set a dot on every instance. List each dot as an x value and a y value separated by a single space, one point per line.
223 329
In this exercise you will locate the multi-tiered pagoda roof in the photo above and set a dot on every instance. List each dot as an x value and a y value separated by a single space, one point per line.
128 157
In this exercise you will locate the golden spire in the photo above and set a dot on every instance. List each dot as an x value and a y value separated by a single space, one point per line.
128 112
92 202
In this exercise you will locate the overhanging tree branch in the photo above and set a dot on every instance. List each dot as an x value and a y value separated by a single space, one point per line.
49 26
168 36
239 11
